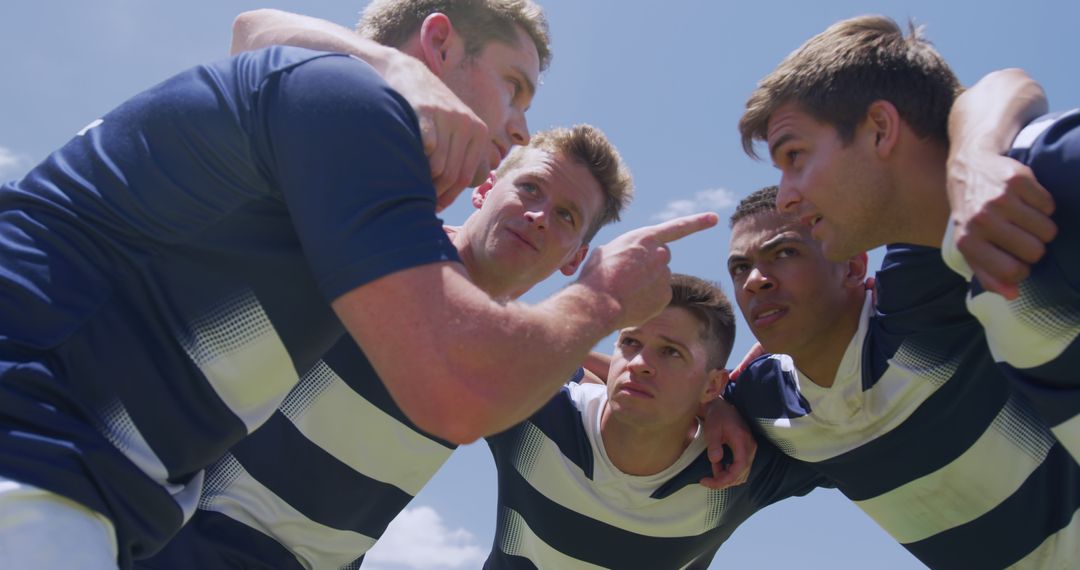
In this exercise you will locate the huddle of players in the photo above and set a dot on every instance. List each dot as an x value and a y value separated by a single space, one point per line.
943 410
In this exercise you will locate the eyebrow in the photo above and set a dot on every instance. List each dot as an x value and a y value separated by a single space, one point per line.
670 340
768 246
775 146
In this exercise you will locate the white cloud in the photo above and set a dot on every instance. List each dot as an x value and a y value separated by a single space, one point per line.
706 200
11 164
418 540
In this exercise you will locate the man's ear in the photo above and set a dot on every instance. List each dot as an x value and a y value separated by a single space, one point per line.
718 379
882 123
570 267
856 268
479 194
437 42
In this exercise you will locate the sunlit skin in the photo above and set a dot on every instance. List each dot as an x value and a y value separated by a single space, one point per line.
658 378
794 299
498 84
839 190
531 221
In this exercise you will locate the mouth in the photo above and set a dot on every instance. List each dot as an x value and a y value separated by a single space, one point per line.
523 239
635 390
765 316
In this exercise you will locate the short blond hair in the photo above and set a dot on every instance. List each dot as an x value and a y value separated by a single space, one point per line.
590 147
837 74
393 22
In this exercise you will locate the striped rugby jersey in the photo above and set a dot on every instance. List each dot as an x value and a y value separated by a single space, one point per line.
563 504
924 432
318 484
166 276
1034 337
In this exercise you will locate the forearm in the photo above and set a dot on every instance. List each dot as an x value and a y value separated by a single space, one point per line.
475 366
990 114
263 28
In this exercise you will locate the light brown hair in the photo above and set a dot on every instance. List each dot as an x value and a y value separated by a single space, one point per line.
707 302
393 22
590 147
837 74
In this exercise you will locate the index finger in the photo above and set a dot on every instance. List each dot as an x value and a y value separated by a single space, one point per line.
671 230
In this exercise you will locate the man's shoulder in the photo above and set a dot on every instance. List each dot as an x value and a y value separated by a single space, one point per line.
276 59
768 388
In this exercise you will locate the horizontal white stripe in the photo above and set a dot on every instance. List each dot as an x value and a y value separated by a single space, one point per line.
242 357
1060 551
315 545
853 417
1017 333
611 500
520 540
367 439
966 488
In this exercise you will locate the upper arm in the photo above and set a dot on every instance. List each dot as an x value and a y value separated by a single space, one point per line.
344 150
995 108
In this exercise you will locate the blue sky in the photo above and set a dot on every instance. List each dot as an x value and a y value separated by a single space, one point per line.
666 81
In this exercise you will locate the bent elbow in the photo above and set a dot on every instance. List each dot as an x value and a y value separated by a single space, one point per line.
448 416
246 25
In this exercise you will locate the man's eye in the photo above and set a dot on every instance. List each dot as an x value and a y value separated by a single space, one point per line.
672 351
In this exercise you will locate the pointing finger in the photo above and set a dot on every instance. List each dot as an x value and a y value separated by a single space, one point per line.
679 228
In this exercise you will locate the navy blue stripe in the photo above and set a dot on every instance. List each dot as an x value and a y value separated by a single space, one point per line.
562 423
764 390
1052 490
348 361
499 560
212 540
163 414
1055 403
70 458
316 483
916 290
940 430
691 475
599 543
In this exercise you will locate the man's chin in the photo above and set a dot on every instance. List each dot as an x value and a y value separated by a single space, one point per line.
481 175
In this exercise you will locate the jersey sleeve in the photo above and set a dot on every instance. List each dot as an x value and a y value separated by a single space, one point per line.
346 151
1034 338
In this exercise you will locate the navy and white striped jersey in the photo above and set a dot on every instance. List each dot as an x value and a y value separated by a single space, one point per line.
316 485
924 432
165 277
1034 337
563 504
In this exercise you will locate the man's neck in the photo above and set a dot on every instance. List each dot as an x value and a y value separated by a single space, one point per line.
493 285
643 450
921 212
821 360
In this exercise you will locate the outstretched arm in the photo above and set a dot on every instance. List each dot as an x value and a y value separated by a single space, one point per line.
1000 213
503 362
443 117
